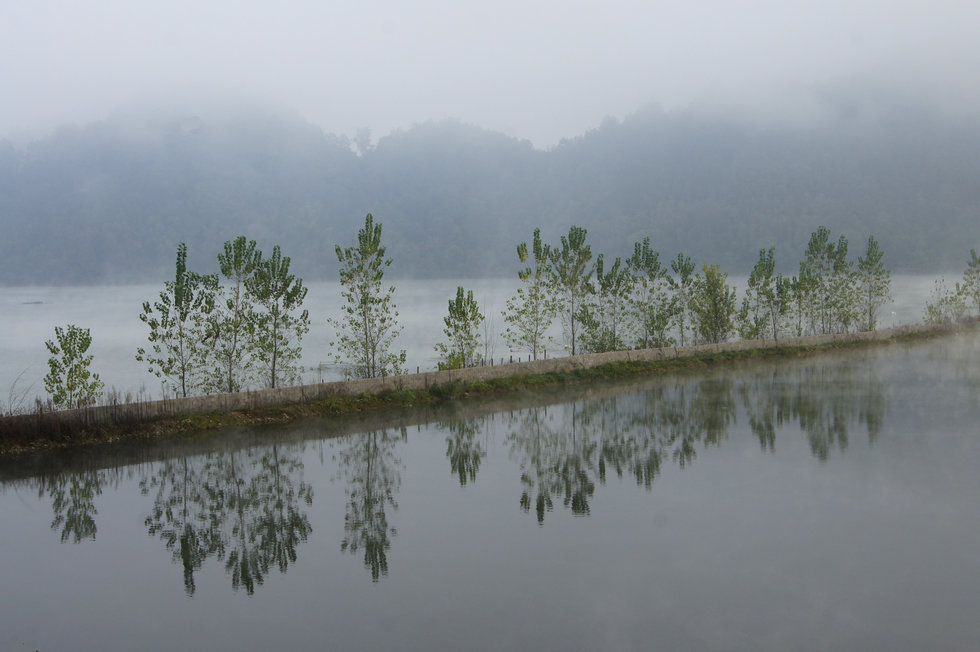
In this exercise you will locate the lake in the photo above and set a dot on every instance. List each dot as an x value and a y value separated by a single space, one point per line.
28 316
822 503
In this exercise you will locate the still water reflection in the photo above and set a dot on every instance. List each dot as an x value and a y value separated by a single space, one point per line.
656 466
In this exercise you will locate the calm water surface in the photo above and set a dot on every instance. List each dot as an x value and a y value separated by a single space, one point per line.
828 503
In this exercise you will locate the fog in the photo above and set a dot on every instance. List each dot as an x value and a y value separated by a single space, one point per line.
539 71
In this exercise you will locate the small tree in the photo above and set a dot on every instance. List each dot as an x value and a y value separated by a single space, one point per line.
369 326
653 307
947 306
712 305
176 324
971 281
604 313
571 279
463 332
530 312
767 299
803 292
753 321
231 325
683 267
836 292
69 381
278 329
873 284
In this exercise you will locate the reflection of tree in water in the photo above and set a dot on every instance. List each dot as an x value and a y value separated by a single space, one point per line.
181 514
563 449
73 502
554 462
465 451
370 467
826 400
244 507
575 465
529 444
627 434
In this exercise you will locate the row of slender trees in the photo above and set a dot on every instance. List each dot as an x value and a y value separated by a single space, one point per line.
244 326
643 302
211 333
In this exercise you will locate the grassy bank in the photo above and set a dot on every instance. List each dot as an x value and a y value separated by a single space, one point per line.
23 433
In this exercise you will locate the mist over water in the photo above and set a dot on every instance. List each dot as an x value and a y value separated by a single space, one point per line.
28 316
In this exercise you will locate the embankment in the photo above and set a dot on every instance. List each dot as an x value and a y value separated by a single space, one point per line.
114 421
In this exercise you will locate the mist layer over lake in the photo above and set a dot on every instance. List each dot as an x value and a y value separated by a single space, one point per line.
822 503
28 316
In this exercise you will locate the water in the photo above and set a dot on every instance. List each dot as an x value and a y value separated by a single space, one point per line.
822 503
28 317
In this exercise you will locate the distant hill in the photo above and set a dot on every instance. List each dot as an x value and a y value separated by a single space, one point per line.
108 202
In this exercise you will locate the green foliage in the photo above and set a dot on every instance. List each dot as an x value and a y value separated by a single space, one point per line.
767 299
176 325
530 312
803 292
69 381
230 328
571 279
946 307
683 267
654 308
873 284
463 332
971 281
369 326
712 305
835 304
278 330
603 314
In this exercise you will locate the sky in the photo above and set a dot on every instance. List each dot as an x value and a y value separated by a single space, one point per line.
540 70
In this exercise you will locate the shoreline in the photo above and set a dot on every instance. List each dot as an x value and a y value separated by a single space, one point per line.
151 420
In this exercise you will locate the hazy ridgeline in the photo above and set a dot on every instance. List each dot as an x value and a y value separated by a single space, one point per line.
108 202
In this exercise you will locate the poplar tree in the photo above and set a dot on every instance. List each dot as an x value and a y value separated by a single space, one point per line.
803 292
603 314
571 279
69 381
873 284
653 307
531 311
767 299
712 305
279 330
835 291
683 267
369 326
463 332
176 325
971 281
231 326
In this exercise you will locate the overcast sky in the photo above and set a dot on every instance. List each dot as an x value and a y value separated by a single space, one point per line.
541 70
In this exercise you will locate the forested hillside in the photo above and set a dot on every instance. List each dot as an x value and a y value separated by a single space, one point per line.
109 202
